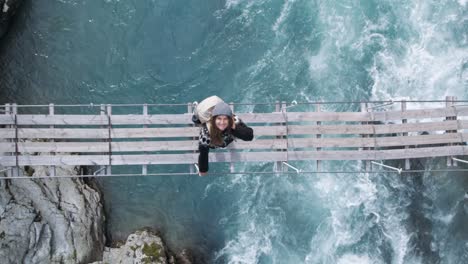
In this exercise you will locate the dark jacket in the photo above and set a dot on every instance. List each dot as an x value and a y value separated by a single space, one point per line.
242 131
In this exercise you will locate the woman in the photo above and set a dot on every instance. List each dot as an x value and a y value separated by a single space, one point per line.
219 132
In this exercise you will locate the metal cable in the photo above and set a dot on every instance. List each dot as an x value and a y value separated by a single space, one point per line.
229 173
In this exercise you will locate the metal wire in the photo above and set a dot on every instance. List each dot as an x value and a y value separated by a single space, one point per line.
229 173
266 103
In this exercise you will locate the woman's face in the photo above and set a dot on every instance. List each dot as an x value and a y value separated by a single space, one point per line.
222 122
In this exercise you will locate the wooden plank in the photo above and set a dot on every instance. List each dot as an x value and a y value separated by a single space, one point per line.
420 113
8 147
377 129
393 154
181 145
275 117
162 119
246 117
247 156
7 119
104 146
185 118
269 130
154 132
327 116
377 141
376 116
256 144
102 133
188 158
99 133
166 119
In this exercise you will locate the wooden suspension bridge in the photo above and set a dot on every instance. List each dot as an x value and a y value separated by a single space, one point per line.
281 137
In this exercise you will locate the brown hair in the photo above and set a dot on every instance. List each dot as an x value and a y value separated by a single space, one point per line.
215 133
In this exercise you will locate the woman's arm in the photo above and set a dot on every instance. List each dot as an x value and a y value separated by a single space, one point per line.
203 149
203 158
242 131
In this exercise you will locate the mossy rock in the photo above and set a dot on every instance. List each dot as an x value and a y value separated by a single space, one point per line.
146 260
152 252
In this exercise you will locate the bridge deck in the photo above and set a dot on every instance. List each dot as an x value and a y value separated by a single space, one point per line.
146 139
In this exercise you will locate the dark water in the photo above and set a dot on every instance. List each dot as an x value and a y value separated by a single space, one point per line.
70 52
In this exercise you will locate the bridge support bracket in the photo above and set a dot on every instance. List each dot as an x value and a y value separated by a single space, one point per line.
98 171
460 160
196 167
399 170
284 107
292 167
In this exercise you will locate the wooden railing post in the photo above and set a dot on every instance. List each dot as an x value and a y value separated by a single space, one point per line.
449 102
8 112
190 111
285 124
231 164
144 168
318 162
367 163
404 121
279 164
454 162
103 113
52 112
16 169
109 129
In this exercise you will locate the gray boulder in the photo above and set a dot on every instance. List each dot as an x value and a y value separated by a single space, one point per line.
141 247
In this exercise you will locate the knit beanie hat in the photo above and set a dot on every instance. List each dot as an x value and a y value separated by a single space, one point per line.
222 108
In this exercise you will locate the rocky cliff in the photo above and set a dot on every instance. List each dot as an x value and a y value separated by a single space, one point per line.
7 10
53 220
